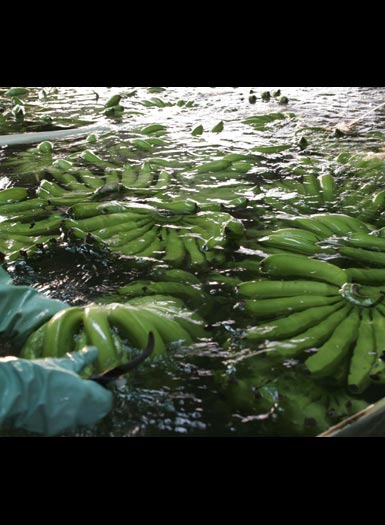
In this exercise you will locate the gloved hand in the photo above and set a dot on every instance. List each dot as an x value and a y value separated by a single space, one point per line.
23 309
47 396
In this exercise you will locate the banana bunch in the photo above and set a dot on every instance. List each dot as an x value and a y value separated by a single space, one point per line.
173 282
157 102
356 197
219 197
171 231
231 169
321 233
73 184
117 330
263 122
316 309
32 162
283 401
355 241
362 198
306 196
27 225
203 239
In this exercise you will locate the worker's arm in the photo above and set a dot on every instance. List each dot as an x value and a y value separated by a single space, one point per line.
23 310
46 396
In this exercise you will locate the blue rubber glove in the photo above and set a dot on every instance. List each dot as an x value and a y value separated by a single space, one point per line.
23 309
47 396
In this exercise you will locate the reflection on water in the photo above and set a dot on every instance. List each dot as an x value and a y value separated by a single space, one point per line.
182 395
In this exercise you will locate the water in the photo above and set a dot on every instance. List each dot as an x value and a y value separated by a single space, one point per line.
186 394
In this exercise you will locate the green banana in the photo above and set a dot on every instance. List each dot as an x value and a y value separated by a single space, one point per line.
292 324
363 256
79 211
173 307
137 245
175 248
145 177
328 187
309 224
44 227
113 101
112 175
154 249
314 336
187 292
218 127
176 275
262 308
334 351
31 205
123 228
90 179
196 257
91 158
235 157
364 355
17 92
142 145
123 238
292 240
377 372
107 221
361 275
98 332
379 332
169 329
242 166
216 165
33 347
179 207
366 241
311 185
129 176
130 326
164 179
284 266
374 207
48 189
152 128
211 232
340 223
265 288
60 332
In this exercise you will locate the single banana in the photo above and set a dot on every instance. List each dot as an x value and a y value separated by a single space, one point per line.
60 332
363 256
175 248
98 332
335 350
328 187
364 355
284 266
262 308
196 257
265 288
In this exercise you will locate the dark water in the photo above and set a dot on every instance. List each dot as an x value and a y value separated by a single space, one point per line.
183 395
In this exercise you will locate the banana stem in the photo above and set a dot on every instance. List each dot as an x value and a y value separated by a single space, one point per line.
350 292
